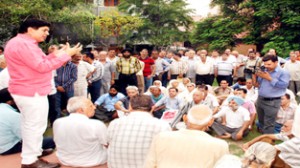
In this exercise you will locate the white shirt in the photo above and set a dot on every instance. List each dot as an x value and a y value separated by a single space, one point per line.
4 78
129 139
234 119
211 101
204 68
252 94
53 88
80 141
293 69
83 69
161 65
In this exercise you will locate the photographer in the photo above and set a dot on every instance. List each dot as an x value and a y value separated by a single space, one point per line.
251 65
272 82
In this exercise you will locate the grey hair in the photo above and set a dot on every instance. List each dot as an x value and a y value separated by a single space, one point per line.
103 52
76 103
132 88
261 153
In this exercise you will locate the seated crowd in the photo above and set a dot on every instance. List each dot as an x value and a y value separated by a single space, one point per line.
104 113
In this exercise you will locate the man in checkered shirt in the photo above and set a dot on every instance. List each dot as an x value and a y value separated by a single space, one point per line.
129 137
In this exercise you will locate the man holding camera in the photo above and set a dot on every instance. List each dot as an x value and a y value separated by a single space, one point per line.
272 82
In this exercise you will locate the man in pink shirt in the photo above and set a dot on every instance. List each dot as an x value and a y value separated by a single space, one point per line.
249 105
30 73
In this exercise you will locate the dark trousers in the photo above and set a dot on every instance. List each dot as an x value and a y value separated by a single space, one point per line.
267 112
204 79
211 79
94 90
61 101
47 144
52 114
164 79
222 129
126 80
228 78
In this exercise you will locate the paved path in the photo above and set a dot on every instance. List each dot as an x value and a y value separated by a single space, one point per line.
14 161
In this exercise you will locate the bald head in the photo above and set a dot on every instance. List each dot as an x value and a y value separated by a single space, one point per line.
199 115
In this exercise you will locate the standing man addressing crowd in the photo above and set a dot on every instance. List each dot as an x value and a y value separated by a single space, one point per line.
31 72
272 83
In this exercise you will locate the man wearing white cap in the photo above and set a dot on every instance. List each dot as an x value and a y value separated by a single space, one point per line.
191 147
236 117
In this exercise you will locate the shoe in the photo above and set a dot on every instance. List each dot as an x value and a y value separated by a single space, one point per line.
46 152
41 164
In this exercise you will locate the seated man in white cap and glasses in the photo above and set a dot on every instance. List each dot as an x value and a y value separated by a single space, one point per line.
260 154
236 117
191 147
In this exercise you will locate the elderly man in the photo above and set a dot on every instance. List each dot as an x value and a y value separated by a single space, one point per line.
80 141
171 102
235 122
129 138
198 97
108 78
123 104
293 67
284 135
190 147
288 149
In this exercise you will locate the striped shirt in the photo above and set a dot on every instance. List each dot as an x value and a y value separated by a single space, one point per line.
98 74
130 137
178 67
286 114
66 76
128 66
290 151
224 67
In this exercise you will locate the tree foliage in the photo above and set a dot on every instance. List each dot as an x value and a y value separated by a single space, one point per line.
114 24
69 12
265 23
165 21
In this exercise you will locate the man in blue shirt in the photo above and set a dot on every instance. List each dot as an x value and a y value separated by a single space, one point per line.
105 104
272 82
10 132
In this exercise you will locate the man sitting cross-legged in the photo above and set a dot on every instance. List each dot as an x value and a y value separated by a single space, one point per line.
80 141
190 147
129 137
235 121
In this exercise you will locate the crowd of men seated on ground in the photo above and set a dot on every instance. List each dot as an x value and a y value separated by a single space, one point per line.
132 93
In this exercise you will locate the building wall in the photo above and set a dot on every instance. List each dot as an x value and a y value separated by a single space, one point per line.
111 2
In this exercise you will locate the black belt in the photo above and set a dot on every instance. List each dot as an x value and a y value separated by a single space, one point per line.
270 98
127 74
